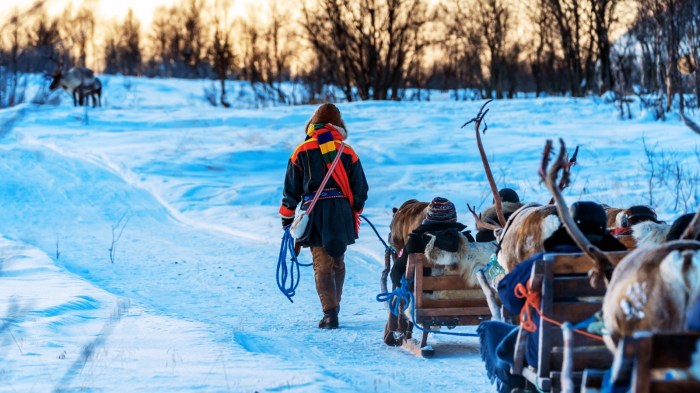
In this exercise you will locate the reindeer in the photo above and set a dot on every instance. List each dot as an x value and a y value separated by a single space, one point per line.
465 262
651 288
524 233
410 215
78 81
93 91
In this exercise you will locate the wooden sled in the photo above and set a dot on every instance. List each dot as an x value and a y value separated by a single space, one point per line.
643 361
431 313
565 295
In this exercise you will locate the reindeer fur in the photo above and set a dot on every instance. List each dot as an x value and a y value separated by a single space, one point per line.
525 232
406 218
78 81
650 233
468 258
652 288
614 215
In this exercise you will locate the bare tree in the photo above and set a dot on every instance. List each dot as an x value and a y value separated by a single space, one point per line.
11 81
603 13
669 25
194 33
165 41
568 18
545 63
221 49
368 43
463 48
692 38
78 31
495 34
123 47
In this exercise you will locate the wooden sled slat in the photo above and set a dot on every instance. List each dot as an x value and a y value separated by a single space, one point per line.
468 310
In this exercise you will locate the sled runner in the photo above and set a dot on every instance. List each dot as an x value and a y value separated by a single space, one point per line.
565 295
469 309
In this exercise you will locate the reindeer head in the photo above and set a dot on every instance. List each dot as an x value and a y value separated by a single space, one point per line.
57 76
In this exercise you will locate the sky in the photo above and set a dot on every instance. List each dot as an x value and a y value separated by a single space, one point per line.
110 9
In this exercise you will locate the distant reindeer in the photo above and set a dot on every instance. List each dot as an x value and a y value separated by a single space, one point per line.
93 91
80 82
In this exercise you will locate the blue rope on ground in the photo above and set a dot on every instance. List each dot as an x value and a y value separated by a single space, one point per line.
404 293
386 246
291 272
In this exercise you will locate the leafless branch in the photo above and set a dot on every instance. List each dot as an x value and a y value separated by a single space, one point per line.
117 231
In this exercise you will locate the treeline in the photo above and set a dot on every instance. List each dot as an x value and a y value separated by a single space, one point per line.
385 49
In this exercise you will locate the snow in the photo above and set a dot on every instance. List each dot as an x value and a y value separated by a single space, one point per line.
188 301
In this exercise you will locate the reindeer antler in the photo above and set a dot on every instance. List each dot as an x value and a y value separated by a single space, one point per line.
481 223
693 229
601 260
566 170
492 183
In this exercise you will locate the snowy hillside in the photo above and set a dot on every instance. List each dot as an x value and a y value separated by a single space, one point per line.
146 240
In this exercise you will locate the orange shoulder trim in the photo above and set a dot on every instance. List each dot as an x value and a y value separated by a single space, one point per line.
304 146
349 150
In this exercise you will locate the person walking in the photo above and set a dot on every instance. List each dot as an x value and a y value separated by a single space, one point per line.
334 220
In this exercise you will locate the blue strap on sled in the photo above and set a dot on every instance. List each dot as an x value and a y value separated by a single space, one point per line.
403 293
291 272
493 270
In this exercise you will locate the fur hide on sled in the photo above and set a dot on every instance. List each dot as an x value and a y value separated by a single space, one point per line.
465 262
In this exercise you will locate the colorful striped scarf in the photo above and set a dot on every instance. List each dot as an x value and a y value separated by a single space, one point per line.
325 134
328 136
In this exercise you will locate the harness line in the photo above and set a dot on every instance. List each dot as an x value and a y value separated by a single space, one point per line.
386 246
532 301
292 272
404 293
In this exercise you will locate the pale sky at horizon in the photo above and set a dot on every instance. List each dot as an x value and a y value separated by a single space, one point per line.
112 9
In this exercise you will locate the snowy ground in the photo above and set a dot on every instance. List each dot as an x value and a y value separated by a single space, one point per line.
188 301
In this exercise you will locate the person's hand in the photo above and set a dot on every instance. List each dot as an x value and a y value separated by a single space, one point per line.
287 221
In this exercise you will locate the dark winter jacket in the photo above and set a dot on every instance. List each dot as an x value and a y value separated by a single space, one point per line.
446 238
332 220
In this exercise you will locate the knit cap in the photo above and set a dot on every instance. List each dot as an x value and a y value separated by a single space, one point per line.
441 210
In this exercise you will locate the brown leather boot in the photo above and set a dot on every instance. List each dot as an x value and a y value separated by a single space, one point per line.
329 320
325 285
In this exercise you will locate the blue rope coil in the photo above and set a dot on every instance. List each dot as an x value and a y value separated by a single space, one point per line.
403 293
291 272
